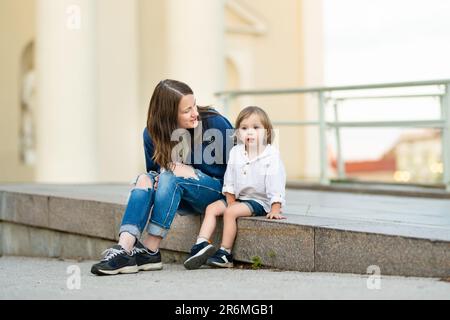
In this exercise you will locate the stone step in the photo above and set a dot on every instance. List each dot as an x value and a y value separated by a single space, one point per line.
68 218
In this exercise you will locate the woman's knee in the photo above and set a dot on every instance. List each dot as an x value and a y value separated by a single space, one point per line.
166 178
185 171
143 182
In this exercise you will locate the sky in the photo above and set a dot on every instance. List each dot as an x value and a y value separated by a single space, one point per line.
368 41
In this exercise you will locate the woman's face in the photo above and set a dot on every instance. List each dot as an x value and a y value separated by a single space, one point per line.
187 112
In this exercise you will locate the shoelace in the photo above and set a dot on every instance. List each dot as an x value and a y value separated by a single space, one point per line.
139 250
111 253
143 250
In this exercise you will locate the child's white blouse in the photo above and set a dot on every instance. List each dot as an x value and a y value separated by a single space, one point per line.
262 179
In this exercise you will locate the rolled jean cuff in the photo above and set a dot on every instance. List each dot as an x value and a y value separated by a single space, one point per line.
131 229
156 230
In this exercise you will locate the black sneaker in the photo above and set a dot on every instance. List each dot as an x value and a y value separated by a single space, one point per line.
221 259
145 259
116 260
199 254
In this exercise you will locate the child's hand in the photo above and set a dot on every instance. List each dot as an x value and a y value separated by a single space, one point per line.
231 199
275 215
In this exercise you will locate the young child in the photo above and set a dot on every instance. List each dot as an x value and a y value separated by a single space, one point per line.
254 185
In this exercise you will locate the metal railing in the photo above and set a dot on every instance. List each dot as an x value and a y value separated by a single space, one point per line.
324 96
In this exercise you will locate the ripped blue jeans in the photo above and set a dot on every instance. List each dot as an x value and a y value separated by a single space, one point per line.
185 195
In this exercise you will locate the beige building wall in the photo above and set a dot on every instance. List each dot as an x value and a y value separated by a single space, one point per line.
152 57
17 29
264 45
184 41
275 48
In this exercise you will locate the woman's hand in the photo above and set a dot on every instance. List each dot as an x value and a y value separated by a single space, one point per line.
275 215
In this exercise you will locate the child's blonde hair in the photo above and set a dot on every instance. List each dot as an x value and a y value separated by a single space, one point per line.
248 111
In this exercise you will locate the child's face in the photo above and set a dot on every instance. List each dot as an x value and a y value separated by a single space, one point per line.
251 131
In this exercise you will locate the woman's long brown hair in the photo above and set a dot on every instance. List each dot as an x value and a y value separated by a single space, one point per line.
162 118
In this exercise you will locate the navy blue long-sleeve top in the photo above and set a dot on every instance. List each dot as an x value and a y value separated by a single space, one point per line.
216 169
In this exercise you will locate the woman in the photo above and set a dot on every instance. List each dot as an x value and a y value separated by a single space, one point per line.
184 172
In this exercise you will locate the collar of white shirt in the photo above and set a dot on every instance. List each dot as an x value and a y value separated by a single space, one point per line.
266 152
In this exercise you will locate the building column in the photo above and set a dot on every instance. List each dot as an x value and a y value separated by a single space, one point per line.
195 50
66 91
119 125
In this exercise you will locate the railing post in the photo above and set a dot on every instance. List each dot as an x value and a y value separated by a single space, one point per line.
323 141
445 105
340 162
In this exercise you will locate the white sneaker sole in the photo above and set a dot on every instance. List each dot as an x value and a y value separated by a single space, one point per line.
221 265
151 266
125 270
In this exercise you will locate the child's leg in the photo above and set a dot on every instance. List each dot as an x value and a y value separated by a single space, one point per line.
230 223
214 210
203 249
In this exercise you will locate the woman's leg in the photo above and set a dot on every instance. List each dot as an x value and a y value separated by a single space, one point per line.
194 187
181 171
230 217
167 198
122 258
200 190
214 210
152 242
137 211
